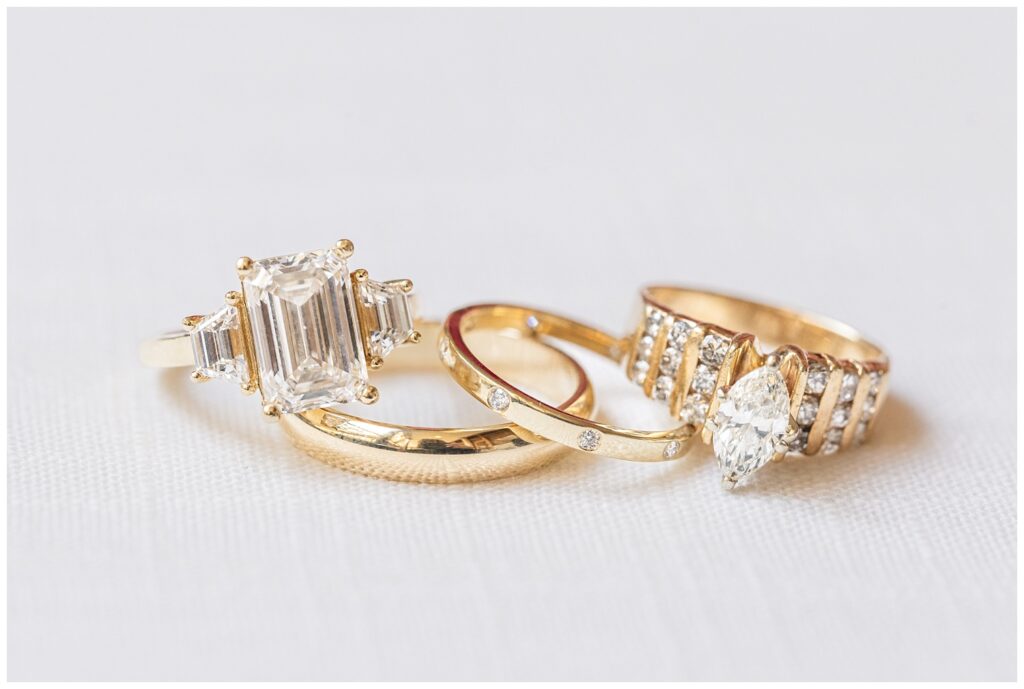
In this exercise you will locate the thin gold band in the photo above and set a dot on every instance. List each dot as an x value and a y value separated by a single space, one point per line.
561 425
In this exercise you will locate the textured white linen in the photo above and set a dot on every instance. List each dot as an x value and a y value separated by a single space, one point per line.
854 163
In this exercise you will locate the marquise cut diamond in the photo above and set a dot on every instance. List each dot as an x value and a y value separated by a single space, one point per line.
752 423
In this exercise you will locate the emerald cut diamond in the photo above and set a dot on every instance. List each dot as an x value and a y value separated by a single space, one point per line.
302 311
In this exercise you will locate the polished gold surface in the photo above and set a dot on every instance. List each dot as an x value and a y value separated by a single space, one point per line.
448 455
479 376
757 331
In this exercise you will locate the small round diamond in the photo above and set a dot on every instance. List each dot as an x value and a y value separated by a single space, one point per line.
834 435
840 417
589 440
498 399
808 411
644 346
680 330
817 379
663 386
876 380
799 443
704 379
654 319
829 448
713 349
672 449
640 369
869 408
670 360
849 387
694 411
860 435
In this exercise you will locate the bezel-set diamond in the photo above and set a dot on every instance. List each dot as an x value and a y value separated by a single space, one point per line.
304 330
588 440
498 400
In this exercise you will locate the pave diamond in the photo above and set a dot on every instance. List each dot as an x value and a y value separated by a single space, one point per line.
752 422
216 347
817 379
302 310
713 349
391 306
589 440
498 399
849 387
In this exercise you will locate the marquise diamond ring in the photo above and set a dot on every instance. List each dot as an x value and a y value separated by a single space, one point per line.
814 386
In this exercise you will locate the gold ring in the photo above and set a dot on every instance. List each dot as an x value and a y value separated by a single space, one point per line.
815 385
449 455
573 430
302 330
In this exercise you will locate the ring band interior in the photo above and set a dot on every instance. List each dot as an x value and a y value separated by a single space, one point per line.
773 325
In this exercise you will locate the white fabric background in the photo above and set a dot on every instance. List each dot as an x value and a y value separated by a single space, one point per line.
855 163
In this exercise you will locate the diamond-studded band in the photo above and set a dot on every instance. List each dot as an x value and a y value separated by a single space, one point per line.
448 455
485 382
692 346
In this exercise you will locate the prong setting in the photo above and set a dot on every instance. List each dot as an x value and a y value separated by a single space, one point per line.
243 266
344 248
370 395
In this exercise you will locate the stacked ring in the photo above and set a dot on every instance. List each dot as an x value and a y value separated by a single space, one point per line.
484 383
754 381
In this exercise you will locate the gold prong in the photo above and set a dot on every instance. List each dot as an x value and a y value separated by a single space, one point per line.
370 395
415 336
199 377
405 285
360 275
249 388
233 298
376 363
190 322
271 410
344 248
243 266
